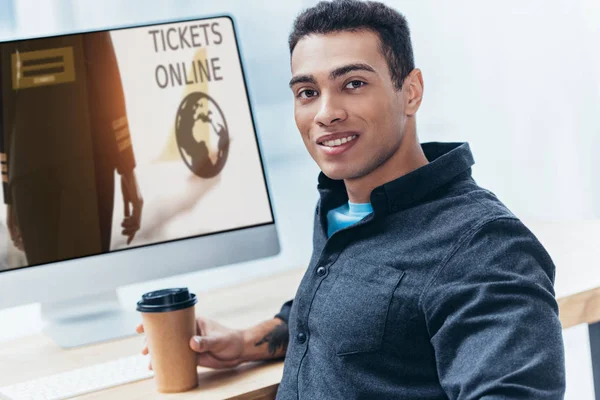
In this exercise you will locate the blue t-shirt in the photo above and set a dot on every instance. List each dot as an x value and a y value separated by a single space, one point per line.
346 215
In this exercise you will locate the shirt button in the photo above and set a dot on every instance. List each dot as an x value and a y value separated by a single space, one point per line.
321 271
301 337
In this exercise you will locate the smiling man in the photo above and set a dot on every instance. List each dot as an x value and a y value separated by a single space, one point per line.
422 284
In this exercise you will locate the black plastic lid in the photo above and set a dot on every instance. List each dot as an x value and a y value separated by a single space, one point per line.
166 300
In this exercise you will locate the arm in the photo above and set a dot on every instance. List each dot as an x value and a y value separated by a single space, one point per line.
133 201
493 319
269 339
221 347
108 102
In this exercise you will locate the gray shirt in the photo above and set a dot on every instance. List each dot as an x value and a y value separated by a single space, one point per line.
440 293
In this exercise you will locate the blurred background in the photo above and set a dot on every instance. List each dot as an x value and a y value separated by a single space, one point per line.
518 79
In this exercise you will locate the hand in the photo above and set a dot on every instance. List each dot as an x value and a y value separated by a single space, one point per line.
13 227
217 346
133 203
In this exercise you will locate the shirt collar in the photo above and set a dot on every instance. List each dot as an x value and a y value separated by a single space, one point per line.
446 162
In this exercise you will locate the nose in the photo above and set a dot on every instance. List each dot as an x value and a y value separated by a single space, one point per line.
330 112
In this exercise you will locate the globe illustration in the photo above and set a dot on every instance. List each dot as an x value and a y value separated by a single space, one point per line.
202 134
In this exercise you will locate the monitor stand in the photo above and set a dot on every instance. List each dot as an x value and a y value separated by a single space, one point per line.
87 320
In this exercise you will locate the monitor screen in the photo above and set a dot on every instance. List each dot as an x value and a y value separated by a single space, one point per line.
112 140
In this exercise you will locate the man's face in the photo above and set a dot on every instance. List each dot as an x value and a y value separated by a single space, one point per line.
350 115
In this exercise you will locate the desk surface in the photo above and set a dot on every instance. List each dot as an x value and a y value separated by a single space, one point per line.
238 307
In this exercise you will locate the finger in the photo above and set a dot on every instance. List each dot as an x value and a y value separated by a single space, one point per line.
129 230
209 361
150 365
129 233
129 222
130 239
133 226
139 328
201 344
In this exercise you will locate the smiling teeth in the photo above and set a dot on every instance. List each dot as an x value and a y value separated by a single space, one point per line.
338 142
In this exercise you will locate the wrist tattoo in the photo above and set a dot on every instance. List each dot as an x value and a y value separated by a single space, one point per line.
277 338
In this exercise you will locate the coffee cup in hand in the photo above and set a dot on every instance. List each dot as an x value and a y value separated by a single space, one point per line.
169 322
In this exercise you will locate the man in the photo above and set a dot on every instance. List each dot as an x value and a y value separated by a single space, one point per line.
422 285
63 134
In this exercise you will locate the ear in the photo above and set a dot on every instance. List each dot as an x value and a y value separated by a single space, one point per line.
413 87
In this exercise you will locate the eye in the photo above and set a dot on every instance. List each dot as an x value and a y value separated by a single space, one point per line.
307 93
355 84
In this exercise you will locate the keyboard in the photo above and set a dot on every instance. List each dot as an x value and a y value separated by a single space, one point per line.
80 381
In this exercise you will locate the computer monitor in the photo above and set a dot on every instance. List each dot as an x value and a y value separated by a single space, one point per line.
128 154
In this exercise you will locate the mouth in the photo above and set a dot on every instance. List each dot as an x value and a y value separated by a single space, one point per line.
337 143
334 142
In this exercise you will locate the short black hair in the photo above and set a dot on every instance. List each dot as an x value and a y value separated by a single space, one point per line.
354 15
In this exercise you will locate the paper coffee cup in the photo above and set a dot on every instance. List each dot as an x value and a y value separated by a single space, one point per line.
169 322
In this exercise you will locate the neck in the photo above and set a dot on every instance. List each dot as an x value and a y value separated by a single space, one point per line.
407 158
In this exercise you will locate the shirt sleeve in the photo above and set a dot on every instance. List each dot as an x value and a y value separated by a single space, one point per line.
284 313
493 319
108 98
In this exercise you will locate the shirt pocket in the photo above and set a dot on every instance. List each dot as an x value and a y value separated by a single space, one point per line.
355 312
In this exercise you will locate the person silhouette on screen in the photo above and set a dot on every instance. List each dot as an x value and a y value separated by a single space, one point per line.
63 134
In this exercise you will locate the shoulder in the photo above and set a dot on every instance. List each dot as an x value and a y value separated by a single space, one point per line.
454 213
487 236
477 204
498 248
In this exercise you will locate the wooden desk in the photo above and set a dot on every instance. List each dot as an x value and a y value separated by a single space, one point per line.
238 307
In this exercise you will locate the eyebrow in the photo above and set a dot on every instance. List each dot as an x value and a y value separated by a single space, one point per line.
302 79
336 73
